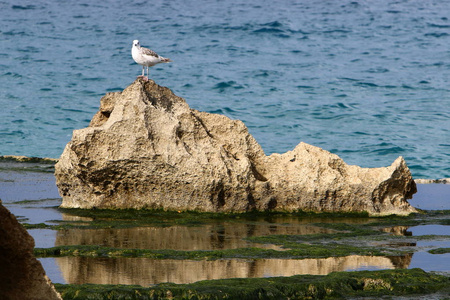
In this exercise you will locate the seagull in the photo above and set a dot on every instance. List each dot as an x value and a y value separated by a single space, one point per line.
146 57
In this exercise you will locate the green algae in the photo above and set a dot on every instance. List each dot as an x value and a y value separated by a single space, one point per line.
127 218
38 201
439 251
364 237
157 217
36 226
27 164
300 252
338 285
27 159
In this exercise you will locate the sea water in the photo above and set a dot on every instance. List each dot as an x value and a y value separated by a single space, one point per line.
367 80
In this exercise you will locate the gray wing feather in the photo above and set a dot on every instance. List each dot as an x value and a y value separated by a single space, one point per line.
147 51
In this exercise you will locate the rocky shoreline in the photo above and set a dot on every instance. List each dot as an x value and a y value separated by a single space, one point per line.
429 181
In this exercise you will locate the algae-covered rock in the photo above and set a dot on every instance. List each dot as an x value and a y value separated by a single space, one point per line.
393 284
146 148
22 276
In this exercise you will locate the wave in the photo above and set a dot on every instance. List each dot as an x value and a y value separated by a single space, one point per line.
21 7
438 25
336 31
348 79
273 24
366 84
222 86
12 74
388 150
437 34
378 70
69 109
360 133
223 111
268 30
114 89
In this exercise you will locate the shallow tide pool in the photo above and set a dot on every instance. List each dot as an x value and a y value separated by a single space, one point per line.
33 198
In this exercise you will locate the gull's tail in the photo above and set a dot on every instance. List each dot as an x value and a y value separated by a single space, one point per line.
165 60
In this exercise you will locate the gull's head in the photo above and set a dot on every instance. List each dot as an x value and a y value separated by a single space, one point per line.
136 43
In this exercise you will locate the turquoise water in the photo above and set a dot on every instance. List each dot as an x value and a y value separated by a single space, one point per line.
367 80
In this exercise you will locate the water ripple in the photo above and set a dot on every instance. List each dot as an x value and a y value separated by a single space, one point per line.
26 7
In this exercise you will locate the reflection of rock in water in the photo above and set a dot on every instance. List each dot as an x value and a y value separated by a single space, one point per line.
398 230
143 271
401 262
207 237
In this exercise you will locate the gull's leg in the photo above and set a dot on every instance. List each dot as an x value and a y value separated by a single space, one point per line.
143 73
146 78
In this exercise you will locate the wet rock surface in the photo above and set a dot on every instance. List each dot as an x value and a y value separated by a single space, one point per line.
146 148
21 274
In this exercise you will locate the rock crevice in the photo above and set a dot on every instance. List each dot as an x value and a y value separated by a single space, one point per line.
146 148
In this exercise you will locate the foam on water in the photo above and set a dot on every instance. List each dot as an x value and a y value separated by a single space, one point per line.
365 80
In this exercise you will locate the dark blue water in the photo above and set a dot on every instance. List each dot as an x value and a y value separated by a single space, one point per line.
367 80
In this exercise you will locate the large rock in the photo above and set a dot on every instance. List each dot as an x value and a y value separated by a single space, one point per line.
21 274
146 148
